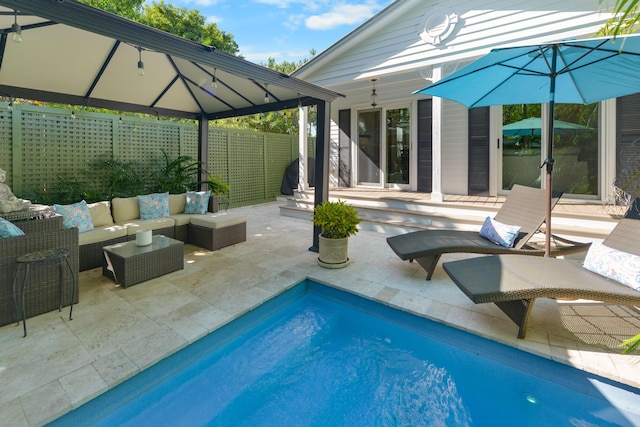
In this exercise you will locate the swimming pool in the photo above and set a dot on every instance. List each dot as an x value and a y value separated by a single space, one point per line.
315 355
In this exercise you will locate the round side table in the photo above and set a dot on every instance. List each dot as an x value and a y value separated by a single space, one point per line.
25 262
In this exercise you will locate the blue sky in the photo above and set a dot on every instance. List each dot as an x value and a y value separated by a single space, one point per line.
285 30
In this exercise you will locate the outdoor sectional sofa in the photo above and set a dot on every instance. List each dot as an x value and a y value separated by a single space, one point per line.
118 221
113 222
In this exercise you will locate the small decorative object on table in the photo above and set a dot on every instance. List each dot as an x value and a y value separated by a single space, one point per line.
143 237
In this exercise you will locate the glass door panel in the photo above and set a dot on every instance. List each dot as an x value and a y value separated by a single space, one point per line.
521 147
398 143
369 136
575 149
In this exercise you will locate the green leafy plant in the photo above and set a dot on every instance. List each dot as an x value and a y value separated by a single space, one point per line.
175 175
218 186
336 219
631 344
109 178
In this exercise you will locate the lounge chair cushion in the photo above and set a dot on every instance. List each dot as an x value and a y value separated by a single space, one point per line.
8 229
620 266
75 215
499 233
154 206
197 202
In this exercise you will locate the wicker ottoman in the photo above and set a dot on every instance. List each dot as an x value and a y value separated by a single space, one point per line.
217 231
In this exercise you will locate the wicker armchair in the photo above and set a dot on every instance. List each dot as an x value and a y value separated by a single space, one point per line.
42 288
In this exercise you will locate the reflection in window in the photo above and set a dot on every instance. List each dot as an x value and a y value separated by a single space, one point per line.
575 147
398 146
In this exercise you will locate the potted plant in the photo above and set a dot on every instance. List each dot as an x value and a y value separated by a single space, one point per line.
338 221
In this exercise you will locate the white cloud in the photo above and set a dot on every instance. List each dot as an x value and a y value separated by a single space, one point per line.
282 4
187 3
342 14
213 19
258 55
293 22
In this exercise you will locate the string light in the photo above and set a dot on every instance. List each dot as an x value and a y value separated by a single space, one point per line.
140 63
214 81
16 29
374 95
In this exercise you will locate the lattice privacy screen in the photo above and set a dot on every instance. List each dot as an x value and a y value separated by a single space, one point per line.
39 145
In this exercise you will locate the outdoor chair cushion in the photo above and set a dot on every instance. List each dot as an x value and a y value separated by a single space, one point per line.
618 265
100 213
9 229
102 234
148 224
181 218
197 202
154 206
125 209
499 233
75 215
219 220
177 203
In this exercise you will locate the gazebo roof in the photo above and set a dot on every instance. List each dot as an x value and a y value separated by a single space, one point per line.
75 54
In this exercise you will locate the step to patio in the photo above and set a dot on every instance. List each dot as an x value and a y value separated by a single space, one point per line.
394 216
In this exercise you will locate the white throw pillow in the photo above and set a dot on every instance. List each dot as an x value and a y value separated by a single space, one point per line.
620 266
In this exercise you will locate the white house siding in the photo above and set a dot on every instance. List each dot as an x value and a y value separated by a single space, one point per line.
388 47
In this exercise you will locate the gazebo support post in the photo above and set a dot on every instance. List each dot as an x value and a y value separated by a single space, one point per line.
321 189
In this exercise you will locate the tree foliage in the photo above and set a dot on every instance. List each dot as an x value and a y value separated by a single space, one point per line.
285 121
189 24
131 9
626 18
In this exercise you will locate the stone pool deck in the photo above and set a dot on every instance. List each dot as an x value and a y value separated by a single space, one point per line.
118 332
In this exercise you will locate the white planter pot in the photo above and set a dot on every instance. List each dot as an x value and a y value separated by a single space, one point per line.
333 253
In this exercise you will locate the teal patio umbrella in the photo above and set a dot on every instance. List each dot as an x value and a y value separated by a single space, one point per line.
533 126
568 72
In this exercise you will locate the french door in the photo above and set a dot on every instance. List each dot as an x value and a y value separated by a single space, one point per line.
383 155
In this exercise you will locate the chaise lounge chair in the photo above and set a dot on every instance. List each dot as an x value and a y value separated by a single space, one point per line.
524 207
513 282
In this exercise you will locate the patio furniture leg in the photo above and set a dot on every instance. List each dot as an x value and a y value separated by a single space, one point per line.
518 311
429 263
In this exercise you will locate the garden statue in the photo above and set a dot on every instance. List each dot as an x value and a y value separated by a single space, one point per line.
8 201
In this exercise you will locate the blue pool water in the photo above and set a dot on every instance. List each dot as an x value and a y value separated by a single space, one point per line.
317 356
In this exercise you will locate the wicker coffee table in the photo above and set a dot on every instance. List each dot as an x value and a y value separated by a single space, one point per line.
128 264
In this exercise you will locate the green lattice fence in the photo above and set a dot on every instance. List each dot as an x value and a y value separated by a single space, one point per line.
6 145
40 145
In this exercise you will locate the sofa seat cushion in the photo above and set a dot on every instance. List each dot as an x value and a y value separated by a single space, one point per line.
102 234
219 220
182 219
148 224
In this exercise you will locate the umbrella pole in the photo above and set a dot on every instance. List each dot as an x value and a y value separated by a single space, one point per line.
549 161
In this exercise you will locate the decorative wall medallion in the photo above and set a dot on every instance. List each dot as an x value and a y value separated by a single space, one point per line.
437 24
